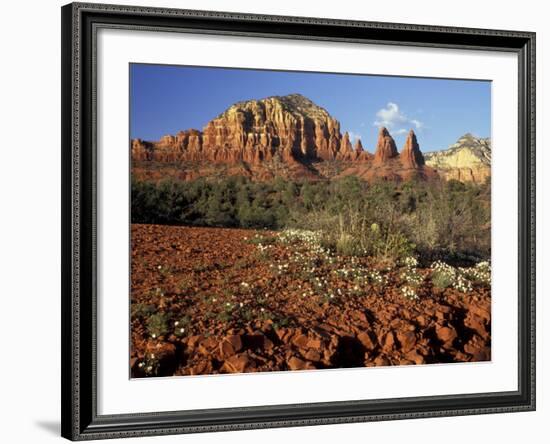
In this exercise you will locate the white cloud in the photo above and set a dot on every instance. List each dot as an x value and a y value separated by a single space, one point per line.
390 116
394 119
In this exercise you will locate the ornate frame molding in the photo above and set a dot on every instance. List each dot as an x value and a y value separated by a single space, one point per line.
80 22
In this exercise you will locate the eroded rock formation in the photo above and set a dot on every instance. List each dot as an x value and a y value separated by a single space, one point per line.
467 160
291 128
291 136
410 156
385 147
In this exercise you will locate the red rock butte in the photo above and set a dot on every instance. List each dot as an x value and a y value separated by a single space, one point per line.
291 130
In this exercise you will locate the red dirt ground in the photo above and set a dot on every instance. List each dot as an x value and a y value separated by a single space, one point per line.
227 304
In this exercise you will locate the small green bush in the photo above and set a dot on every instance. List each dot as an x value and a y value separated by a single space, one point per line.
394 246
281 323
347 245
262 240
157 325
181 325
442 280
225 316
140 310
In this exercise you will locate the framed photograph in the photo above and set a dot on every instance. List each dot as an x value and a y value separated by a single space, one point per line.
278 221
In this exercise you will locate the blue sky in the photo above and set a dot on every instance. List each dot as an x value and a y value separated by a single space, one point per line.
165 99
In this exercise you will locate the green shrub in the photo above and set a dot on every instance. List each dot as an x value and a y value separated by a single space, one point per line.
263 240
225 316
181 325
140 310
442 280
347 245
157 325
394 246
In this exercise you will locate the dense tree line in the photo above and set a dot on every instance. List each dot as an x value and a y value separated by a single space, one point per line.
357 218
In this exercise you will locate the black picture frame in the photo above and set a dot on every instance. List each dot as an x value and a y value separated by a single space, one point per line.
80 22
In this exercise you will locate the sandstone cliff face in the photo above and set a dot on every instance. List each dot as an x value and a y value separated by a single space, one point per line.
141 150
287 136
467 160
291 128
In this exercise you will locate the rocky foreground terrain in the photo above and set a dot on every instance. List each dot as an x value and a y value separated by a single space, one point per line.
215 300
290 136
